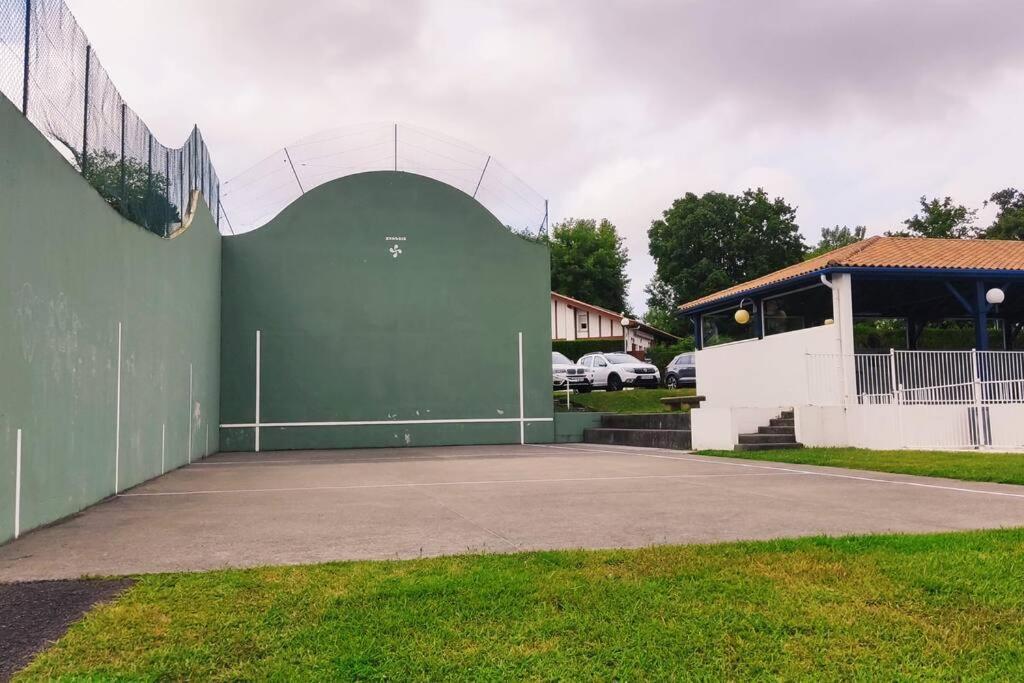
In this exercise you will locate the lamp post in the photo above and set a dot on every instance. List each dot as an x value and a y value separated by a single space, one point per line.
625 322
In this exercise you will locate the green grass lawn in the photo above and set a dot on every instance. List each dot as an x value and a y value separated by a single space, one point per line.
631 401
1004 468
943 606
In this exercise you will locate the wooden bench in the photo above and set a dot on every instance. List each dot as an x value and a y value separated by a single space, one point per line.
677 402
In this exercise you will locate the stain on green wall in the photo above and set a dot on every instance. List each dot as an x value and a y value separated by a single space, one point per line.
71 269
386 298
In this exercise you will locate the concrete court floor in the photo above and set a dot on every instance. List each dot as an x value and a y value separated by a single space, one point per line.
247 509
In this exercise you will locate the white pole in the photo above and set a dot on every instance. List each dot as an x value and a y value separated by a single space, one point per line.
163 446
17 486
206 451
978 421
190 413
117 420
257 428
522 422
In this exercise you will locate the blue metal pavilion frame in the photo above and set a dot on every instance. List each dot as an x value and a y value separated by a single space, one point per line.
967 287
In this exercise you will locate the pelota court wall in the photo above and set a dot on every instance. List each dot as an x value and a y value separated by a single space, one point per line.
389 308
72 270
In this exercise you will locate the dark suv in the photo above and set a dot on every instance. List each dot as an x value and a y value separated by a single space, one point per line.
681 372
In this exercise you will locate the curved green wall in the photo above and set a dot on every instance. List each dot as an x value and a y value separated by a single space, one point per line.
390 299
71 270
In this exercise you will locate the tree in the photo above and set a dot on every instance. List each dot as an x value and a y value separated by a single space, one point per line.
834 238
940 219
588 262
705 243
661 309
1009 222
136 191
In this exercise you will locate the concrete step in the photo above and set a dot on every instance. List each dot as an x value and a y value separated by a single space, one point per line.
777 430
782 422
767 446
678 439
766 438
787 415
647 421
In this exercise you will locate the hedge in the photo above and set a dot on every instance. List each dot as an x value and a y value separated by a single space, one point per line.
581 347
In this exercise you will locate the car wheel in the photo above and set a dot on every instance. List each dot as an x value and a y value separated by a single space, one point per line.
670 382
614 383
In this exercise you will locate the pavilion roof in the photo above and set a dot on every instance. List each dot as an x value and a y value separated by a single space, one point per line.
887 253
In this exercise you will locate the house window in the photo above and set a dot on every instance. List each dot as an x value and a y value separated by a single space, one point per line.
581 320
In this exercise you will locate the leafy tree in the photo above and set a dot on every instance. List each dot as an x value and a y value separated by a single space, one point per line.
661 309
705 243
588 262
1009 222
834 238
140 195
940 219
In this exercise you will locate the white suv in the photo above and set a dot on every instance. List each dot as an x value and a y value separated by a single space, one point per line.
565 371
613 371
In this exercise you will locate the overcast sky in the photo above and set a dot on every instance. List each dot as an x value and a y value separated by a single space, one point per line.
850 109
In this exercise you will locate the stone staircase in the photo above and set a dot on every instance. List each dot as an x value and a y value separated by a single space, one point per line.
780 432
651 430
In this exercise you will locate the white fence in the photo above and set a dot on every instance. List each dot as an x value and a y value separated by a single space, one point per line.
932 399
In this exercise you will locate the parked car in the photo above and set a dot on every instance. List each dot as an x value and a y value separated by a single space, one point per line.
564 370
681 371
613 371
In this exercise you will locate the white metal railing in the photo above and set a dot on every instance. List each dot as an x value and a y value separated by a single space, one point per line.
977 397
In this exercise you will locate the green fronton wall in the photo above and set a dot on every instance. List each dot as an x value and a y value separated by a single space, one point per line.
71 269
353 331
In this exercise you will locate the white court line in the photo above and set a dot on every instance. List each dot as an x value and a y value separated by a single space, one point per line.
256 425
442 483
17 486
360 423
708 460
367 459
117 419
522 413
190 413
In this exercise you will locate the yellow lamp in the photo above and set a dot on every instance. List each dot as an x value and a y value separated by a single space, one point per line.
742 317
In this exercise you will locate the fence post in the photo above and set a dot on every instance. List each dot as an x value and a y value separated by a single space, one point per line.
167 190
124 203
978 422
85 111
149 183
24 75
897 395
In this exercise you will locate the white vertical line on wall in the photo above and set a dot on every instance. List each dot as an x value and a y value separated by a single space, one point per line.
163 446
190 413
522 421
117 419
17 485
206 451
257 422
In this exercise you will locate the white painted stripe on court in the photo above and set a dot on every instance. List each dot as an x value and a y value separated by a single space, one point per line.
482 482
117 419
522 413
366 459
358 423
792 470
17 485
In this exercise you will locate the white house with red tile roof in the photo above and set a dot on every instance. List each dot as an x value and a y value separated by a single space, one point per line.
572 319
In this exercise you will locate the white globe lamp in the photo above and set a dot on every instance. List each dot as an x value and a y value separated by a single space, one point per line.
995 296
742 316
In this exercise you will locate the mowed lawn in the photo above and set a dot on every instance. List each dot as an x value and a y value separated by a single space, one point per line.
629 401
1004 468
944 606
